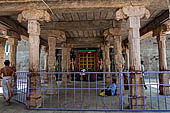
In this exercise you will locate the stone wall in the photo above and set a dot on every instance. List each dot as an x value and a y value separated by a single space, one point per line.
149 53
23 56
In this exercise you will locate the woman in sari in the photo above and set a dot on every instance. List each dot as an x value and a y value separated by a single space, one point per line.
7 73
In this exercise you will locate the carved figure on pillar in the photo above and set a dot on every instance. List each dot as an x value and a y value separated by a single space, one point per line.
134 13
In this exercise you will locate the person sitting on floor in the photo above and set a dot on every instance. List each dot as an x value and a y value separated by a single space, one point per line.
111 89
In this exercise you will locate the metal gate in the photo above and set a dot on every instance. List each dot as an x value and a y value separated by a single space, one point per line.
84 95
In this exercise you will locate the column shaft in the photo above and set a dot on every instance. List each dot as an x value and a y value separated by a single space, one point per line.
136 91
64 64
118 59
52 64
68 64
13 51
106 60
2 49
34 62
163 78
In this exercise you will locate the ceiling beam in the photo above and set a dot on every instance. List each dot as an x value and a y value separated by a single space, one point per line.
79 25
19 5
157 21
13 26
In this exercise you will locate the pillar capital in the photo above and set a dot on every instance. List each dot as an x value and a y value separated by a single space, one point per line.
132 11
160 32
112 33
34 14
12 41
59 35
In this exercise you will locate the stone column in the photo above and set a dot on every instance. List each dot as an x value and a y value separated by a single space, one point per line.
127 58
52 64
33 17
45 77
2 49
68 64
117 42
46 59
13 42
106 62
64 63
134 13
127 67
163 78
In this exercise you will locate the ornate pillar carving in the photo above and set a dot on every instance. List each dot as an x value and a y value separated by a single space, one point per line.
134 13
161 39
33 17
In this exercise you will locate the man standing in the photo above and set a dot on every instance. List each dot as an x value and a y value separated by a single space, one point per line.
8 73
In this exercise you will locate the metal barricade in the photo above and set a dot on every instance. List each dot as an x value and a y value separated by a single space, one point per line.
21 89
69 91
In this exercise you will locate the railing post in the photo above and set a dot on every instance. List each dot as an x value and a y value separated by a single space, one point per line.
120 89
28 93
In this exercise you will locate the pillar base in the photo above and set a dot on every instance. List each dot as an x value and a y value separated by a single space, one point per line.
34 96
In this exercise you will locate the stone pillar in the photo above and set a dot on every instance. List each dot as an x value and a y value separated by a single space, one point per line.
127 58
106 62
68 64
52 64
33 17
64 63
46 59
134 13
163 78
127 67
13 42
2 49
45 77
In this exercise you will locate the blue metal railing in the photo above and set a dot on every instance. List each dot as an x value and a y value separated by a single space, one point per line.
20 90
83 93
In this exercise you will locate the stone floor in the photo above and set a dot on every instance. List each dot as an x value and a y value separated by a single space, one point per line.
16 107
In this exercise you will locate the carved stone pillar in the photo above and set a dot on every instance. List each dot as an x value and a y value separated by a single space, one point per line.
45 77
2 49
13 42
68 64
163 78
106 62
33 17
64 63
134 13
52 64
127 67
118 58
46 51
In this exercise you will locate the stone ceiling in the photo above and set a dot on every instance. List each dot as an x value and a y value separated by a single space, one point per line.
83 21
